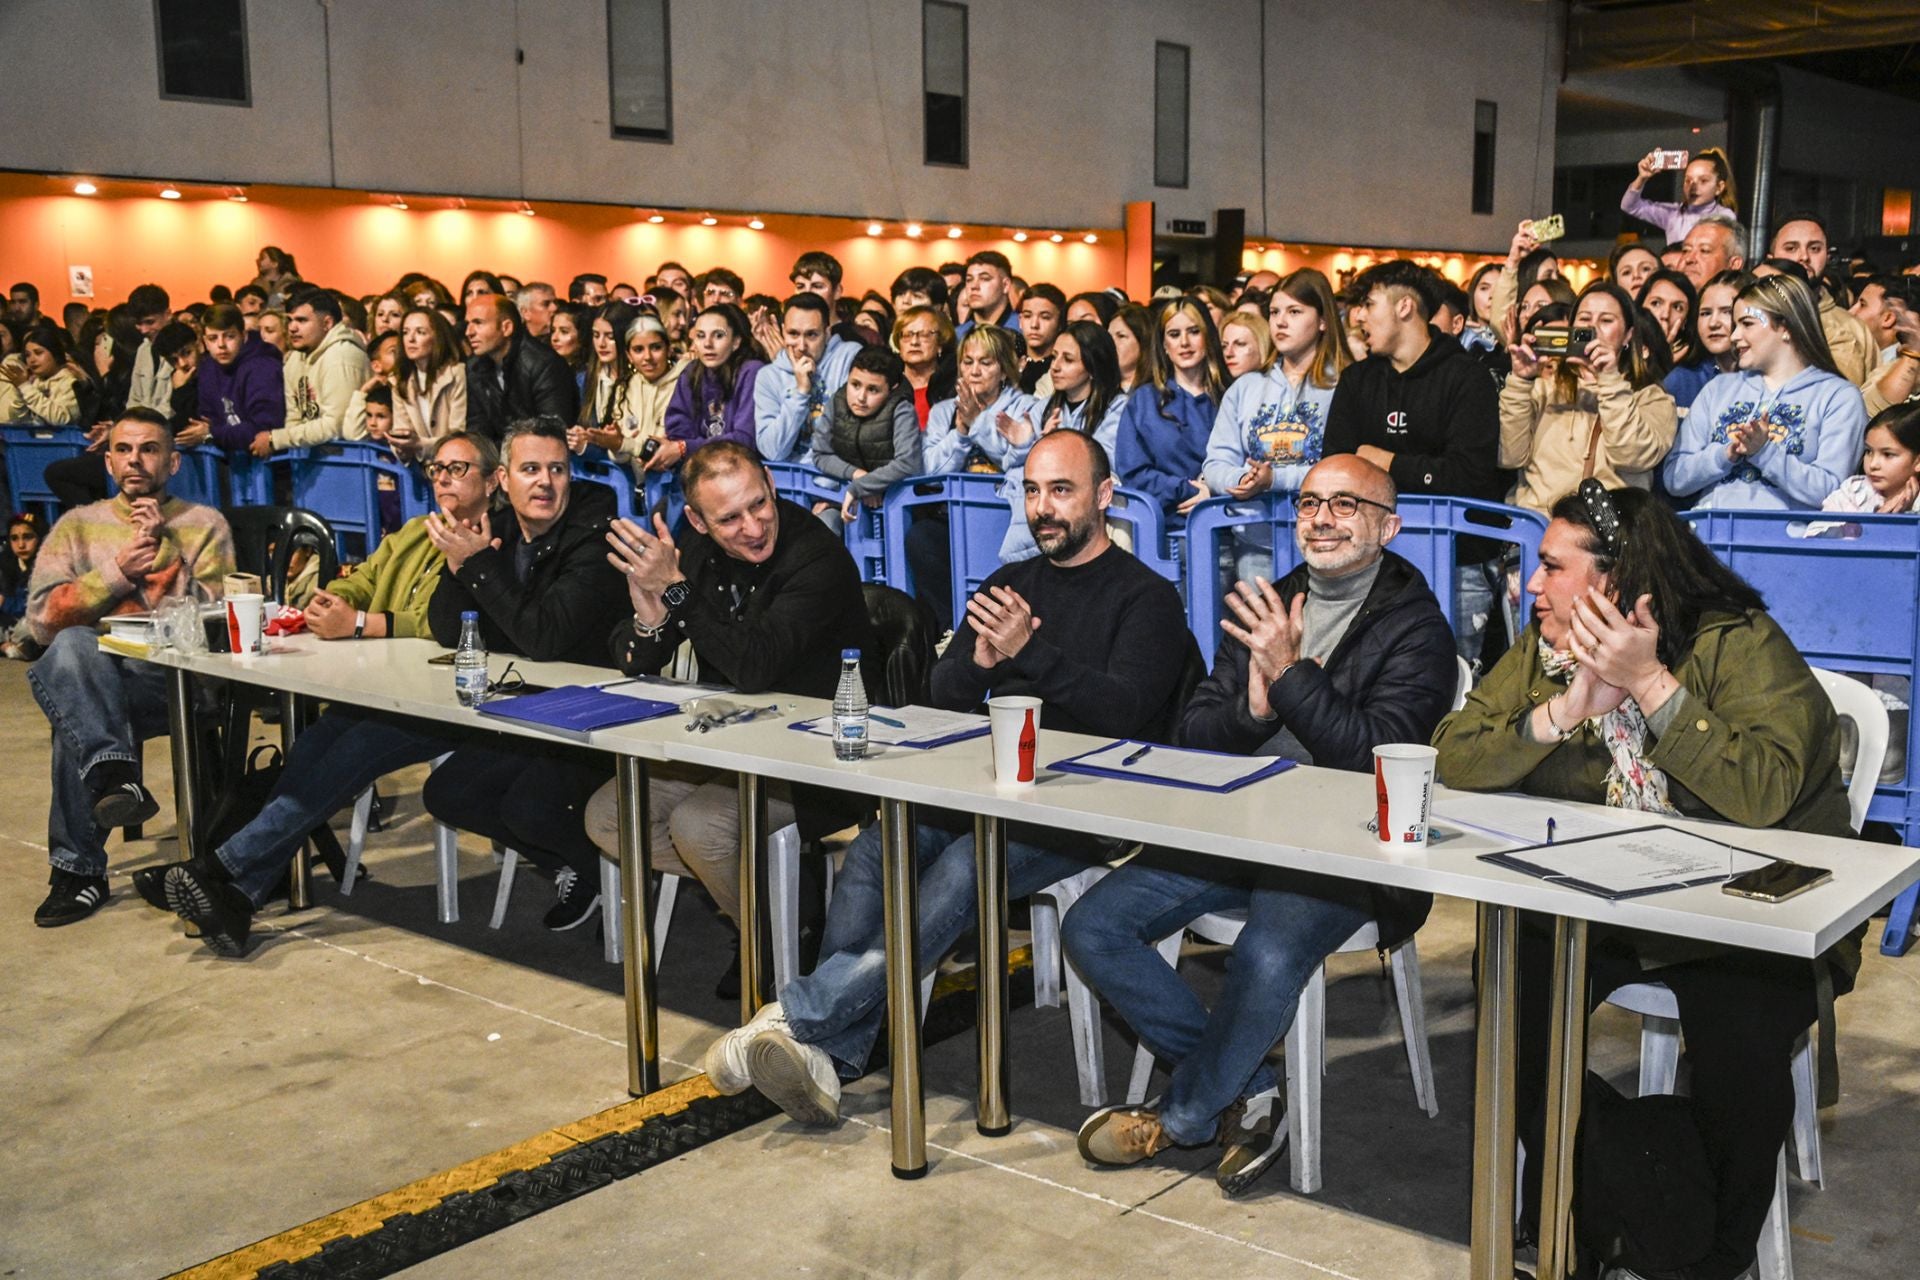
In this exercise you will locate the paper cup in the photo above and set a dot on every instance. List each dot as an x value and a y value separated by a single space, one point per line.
1403 792
245 612
238 584
1016 739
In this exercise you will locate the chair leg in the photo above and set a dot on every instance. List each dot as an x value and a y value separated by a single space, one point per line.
1806 1113
1776 1242
446 856
1306 1061
663 914
610 909
137 830
1089 1045
1413 1025
509 863
1169 949
356 840
1047 959
1659 1055
783 907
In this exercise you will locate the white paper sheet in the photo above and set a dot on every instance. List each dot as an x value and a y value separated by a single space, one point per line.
1523 819
1174 765
1632 862
661 690
917 725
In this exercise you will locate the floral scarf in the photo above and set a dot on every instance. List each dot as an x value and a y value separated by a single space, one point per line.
1632 783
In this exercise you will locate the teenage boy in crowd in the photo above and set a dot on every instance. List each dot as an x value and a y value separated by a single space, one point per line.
152 387
1043 311
989 278
242 387
327 364
792 392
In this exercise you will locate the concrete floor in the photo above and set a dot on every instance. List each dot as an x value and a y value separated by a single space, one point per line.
163 1106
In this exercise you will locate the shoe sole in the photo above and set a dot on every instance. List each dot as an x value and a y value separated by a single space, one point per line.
724 1080
151 884
592 909
117 810
1238 1182
781 1074
190 900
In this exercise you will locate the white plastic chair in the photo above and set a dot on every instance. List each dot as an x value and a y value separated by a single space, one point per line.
446 853
1660 1013
1465 686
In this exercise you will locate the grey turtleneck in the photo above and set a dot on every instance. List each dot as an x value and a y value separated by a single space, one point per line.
1332 605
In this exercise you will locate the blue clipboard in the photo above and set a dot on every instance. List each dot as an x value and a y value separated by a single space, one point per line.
1073 764
823 726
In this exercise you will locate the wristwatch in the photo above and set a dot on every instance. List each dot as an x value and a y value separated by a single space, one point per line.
676 595
360 624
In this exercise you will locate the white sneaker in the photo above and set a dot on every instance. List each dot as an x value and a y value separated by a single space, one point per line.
726 1060
798 1078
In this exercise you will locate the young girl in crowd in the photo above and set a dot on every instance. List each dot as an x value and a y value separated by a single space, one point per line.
1629 266
656 373
1784 430
43 384
1706 188
1086 397
1595 413
714 399
429 383
1246 343
569 342
1889 483
1131 329
603 402
1714 331
16 569
924 338
1169 417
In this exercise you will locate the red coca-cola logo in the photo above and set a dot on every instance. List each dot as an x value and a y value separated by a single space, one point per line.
1026 749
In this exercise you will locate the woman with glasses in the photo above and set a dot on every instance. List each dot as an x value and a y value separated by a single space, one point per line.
924 338
1784 429
1652 679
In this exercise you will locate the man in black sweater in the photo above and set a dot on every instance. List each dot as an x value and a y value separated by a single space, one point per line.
1348 651
1423 410
540 580
1085 627
769 597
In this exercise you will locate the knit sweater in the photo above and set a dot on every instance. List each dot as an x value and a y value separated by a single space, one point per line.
77 579
398 578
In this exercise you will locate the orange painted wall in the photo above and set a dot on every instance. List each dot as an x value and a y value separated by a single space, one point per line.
129 236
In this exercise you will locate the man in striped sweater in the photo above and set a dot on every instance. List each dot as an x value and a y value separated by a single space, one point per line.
125 554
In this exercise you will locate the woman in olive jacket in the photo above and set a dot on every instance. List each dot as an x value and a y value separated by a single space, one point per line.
1653 679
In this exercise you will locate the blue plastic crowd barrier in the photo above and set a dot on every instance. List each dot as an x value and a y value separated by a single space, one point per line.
615 476
341 482
976 514
30 450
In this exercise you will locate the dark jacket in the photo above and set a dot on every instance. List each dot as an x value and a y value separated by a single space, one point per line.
886 446
1390 679
1440 420
568 599
538 384
243 399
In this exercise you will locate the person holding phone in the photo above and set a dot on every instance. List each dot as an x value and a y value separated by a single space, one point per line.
1653 679
1597 411
1706 187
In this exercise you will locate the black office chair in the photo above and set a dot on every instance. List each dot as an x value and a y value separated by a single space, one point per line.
903 654
265 538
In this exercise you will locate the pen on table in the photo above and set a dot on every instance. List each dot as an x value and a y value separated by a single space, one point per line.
1551 824
889 721
1136 756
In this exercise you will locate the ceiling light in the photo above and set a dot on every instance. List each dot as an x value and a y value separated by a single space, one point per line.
953 233
1091 238
169 193
913 228
656 218
526 208
874 228
397 203
709 221
237 194
756 224
1019 237
1056 237
84 188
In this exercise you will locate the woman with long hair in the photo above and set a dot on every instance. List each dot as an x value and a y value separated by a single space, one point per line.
1630 264
1598 412
1086 397
44 383
656 373
924 338
1246 343
1169 419
429 383
388 311
1784 430
714 399
1131 328
1652 680
608 372
1670 299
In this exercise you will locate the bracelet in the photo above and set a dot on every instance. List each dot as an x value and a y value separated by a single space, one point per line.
1560 735
1908 353
646 632
360 624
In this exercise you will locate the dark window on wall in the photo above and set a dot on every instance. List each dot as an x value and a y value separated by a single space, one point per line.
1170 102
943 47
640 69
203 50
1486 119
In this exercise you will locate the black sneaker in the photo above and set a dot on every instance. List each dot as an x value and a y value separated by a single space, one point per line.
201 896
71 898
1252 1138
127 805
578 900
151 884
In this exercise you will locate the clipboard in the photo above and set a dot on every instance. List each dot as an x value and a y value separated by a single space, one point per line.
1268 767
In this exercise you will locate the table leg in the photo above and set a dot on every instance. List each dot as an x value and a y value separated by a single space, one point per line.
990 852
1494 1132
186 761
635 814
299 888
1566 1076
753 843
901 894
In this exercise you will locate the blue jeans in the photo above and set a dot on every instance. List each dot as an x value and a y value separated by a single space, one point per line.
1294 921
101 708
841 1005
332 761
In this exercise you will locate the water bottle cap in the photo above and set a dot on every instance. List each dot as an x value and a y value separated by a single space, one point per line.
470 615
849 655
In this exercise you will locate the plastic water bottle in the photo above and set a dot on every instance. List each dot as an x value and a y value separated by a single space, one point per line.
470 662
850 710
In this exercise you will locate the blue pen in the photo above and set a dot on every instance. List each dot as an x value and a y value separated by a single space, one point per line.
1551 824
887 720
1136 756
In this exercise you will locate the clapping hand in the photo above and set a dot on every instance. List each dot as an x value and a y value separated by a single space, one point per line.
1746 439
1256 480
1199 495
1016 431
459 540
1619 650
648 559
1271 630
1003 622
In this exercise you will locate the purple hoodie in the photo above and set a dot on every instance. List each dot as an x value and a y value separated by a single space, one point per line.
730 419
245 398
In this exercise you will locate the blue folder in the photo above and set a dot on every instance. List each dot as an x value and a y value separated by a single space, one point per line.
576 710
1073 764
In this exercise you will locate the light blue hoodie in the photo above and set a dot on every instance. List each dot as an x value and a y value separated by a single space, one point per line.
945 449
782 416
1019 543
1815 424
1266 418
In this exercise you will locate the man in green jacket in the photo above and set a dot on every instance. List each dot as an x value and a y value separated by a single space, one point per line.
347 749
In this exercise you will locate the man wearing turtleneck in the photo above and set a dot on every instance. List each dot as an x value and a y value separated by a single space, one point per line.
1348 651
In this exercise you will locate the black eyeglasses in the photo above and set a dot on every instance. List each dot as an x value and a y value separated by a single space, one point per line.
1343 505
456 469
1603 514
510 681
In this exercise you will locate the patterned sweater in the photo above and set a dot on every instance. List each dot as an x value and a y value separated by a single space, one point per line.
77 579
